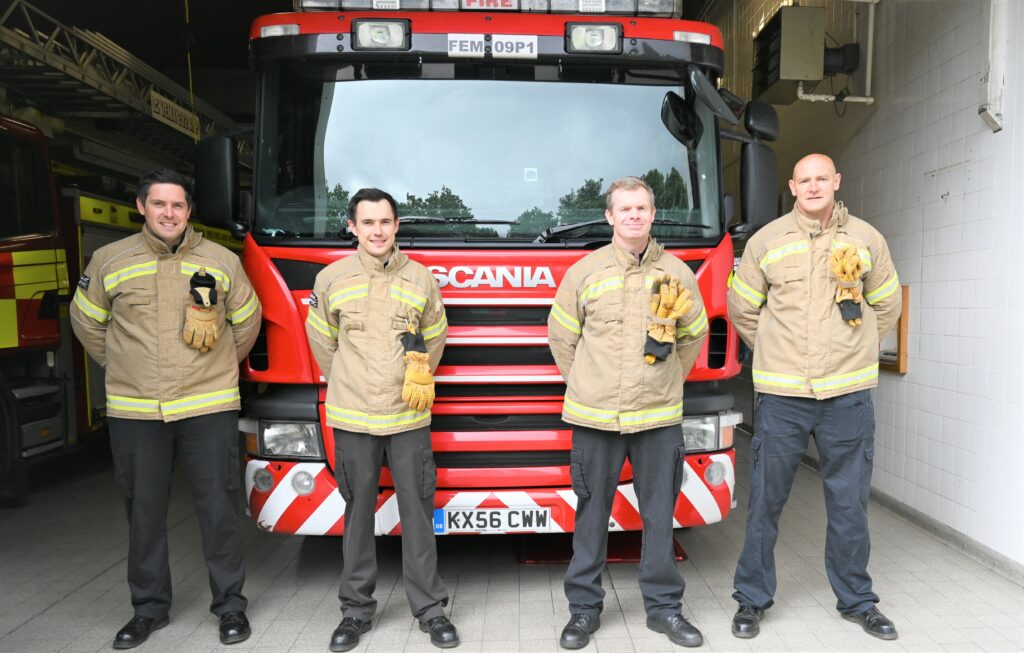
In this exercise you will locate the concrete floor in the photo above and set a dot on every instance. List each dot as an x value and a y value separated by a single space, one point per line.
62 584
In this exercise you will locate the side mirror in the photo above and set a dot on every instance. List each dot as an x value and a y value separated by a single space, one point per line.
216 171
761 121
759 184
728 208
680 120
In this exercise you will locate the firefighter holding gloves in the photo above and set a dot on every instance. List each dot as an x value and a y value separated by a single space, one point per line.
377 327
814 294
625 328
170 315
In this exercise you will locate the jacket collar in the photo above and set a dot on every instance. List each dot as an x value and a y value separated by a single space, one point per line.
189 241
807 225
370 263
626 259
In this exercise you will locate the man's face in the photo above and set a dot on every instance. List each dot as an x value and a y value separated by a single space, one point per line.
375 227
814 185
631 215
166 211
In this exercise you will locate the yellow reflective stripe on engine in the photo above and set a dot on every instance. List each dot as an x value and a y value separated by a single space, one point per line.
63 285
694 328
338 298
598 288
219 275
408 297
586 412
360 418
318 323
8 323
90 309
200 401
777 254
863 253
637 417
845 380
35 273
37 257
132 404
30 290
883 291
435 330
747 293
243 313
112 280
779 380
565 319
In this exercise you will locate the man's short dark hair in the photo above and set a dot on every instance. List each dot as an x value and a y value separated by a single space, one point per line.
370 195
164 176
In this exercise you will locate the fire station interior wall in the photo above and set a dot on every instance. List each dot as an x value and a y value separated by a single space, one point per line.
946 192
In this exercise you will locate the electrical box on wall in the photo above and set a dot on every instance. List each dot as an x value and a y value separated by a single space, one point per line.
789 49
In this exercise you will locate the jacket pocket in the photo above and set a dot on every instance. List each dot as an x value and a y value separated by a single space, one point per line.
429 481
579 481
679 475
341 477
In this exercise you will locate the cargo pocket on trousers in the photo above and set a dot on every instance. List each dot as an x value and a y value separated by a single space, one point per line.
340 477
233 470
755 449
121 480
679 475
579 482
429 481
869 465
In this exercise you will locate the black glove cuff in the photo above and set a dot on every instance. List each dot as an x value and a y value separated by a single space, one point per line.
659 350
413 342
849 309
203 281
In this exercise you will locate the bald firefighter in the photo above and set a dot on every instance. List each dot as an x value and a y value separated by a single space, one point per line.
169 315
814 295
625 328
377 328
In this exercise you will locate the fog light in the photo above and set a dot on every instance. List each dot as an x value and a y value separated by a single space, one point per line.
692 37
290 29
303 483
591 37
714 474
263 480
380 34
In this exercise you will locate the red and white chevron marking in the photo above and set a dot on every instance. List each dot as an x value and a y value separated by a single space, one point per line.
322 511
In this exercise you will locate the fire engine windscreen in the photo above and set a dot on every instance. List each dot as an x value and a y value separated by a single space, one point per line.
478 158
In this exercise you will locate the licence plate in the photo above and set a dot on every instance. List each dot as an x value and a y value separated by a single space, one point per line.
491 520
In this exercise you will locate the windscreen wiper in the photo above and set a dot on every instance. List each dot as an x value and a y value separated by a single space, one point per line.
551 232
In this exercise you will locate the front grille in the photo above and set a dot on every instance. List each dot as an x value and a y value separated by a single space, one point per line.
298 275
485 459
497 315
259 355
718 341
497 423
504 390
482 355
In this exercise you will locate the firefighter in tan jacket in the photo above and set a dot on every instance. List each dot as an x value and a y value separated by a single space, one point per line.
625 328
170 315
814 294
377 328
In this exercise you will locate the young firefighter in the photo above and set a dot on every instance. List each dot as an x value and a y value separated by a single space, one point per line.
815 293
625 328
169 315
377 328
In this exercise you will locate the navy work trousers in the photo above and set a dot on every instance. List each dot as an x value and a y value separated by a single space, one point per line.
844 433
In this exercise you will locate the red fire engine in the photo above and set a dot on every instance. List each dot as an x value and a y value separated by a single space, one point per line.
496 124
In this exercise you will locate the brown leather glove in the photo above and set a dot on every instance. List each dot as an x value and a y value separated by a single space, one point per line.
418 387
200 330
847 267
670 300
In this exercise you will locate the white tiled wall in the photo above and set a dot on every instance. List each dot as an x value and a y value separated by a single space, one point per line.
948 195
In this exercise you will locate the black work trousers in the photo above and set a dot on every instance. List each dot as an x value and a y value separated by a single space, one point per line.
657 456
358 458
144 453
844 433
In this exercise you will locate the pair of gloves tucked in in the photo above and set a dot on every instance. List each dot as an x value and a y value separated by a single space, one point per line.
670 300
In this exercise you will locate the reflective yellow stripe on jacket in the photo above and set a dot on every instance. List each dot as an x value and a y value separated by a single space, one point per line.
360 418
348 294
598 288
90 309
243 313
626 418
565 319
777 254
747 293
837 381
315 321
694 328
779 380
133 404
435 330
883 291
113 279
408 297
200 401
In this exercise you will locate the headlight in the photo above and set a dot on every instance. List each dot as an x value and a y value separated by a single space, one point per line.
593 37
700 433
380 34
291 440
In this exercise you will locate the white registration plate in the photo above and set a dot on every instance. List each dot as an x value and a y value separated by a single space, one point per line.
491 520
